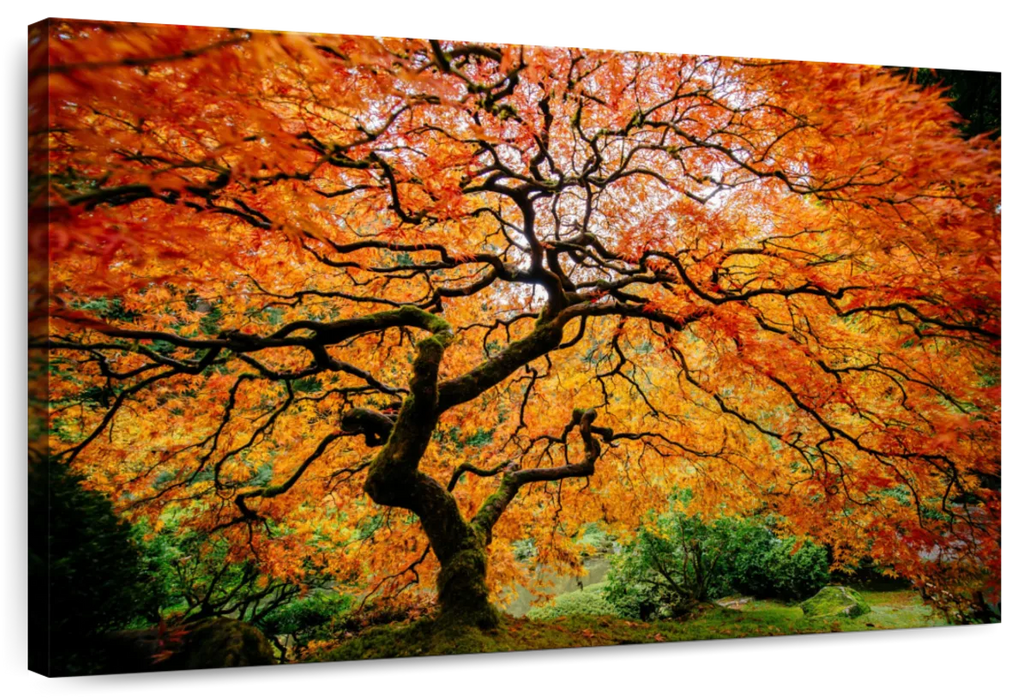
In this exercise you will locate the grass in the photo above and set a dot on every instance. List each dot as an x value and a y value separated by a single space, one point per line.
426 637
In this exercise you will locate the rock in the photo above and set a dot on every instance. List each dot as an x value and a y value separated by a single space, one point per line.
221 642
216 642
832 601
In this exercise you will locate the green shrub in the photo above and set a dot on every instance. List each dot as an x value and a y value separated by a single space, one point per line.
629 596
670 568
589 601
592 539
765 566
680 560
636 587
307 618
866 575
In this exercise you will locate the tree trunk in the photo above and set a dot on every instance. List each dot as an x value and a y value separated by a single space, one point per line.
394 480
463 594
461 550
459 546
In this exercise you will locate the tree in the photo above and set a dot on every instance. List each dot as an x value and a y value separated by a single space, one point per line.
86 573
383 307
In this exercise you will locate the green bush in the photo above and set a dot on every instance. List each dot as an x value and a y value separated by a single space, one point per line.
629 596
593 539
670 568
589 601
866 575
307 618
680 561
765 566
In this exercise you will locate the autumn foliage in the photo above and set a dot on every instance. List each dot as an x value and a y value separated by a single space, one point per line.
381 308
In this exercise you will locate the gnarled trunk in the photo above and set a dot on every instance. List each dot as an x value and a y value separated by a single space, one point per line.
458 545
463 595
394 479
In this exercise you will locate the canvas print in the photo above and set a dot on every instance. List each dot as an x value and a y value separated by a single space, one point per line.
349 347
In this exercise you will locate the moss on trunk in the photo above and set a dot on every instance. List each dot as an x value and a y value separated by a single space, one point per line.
463 594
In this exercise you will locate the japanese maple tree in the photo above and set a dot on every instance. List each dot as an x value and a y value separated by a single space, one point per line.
382 308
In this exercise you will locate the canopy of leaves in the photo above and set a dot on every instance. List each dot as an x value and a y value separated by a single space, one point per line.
775 283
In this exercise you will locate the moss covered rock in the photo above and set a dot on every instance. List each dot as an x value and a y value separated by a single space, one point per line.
834 601
221 642
216 642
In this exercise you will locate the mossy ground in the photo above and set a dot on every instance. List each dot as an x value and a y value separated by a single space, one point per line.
425 637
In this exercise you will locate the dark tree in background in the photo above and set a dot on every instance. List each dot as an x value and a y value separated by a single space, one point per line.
975 95
86 575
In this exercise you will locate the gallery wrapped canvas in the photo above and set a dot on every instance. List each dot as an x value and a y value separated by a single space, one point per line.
345 347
